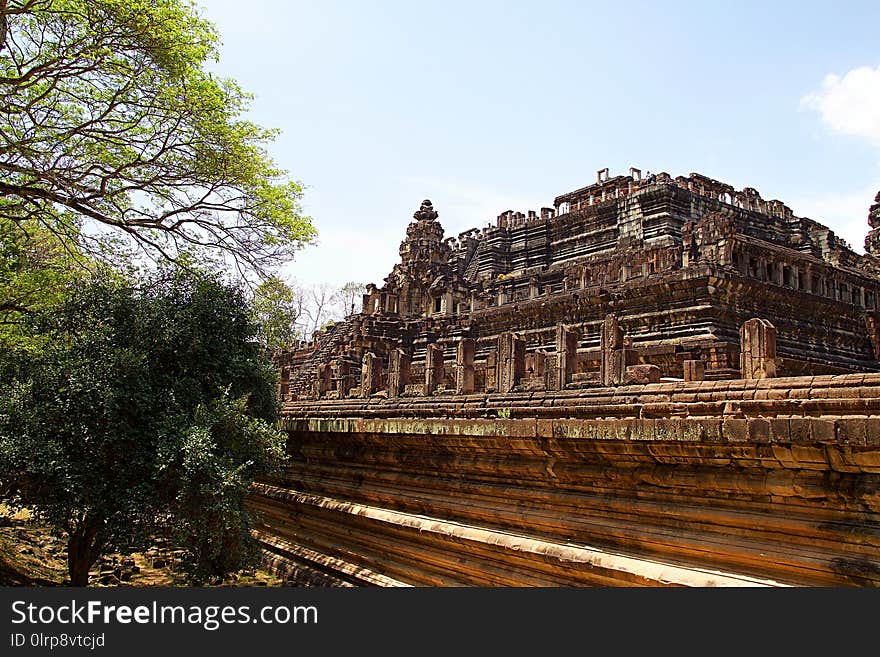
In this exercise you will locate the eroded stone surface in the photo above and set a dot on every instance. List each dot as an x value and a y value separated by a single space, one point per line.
680 263
657 381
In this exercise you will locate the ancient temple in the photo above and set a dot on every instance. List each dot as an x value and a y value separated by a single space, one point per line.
681 263
656 381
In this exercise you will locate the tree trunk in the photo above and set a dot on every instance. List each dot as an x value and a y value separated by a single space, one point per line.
83 549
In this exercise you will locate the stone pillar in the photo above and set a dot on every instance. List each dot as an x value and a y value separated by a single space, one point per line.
322 380
566 354
551 372
433 368
284 383
464 366
539 360
586 276
398 372
757 339
612 367
694 370
343 378
630 356
511 361
371 374
491 373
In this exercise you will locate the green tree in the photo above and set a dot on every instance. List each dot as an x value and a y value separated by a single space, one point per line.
108 119
276 309
36 270
221 452
147 406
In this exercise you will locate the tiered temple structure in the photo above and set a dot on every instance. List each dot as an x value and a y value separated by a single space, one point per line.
655 381
681 263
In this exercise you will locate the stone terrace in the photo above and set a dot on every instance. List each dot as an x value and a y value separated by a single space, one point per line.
657 381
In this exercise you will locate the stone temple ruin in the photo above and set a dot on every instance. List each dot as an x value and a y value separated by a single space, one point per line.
656 381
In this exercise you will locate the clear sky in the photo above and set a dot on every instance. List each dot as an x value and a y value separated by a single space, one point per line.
489 106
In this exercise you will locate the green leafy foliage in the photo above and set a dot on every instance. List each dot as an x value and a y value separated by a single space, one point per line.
276 310
222 452
146 405
109 120
35 272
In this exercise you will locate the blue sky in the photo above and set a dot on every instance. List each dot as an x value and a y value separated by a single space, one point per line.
489 106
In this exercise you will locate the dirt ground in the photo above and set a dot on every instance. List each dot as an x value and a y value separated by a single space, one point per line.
31 555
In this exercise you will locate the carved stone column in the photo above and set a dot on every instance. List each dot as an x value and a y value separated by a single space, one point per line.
757 349
433 368
323 381
464 366
612 367
566 354
511 361
694 370
343 378
491 372
284 384
398 372
371 374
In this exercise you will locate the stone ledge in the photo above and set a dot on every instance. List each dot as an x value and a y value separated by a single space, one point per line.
630 568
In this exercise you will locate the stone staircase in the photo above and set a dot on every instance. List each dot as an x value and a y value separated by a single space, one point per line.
303 378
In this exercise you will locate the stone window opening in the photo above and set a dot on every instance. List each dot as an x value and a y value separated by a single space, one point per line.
438 304
753 268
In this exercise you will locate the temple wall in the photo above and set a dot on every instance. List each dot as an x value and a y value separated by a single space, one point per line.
747 482
655 382
682 263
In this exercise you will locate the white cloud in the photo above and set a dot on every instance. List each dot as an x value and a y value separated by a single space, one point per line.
846 213
849 105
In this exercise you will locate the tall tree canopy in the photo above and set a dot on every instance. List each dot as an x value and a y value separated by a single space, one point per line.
146 406
276 310
35 270
108 119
